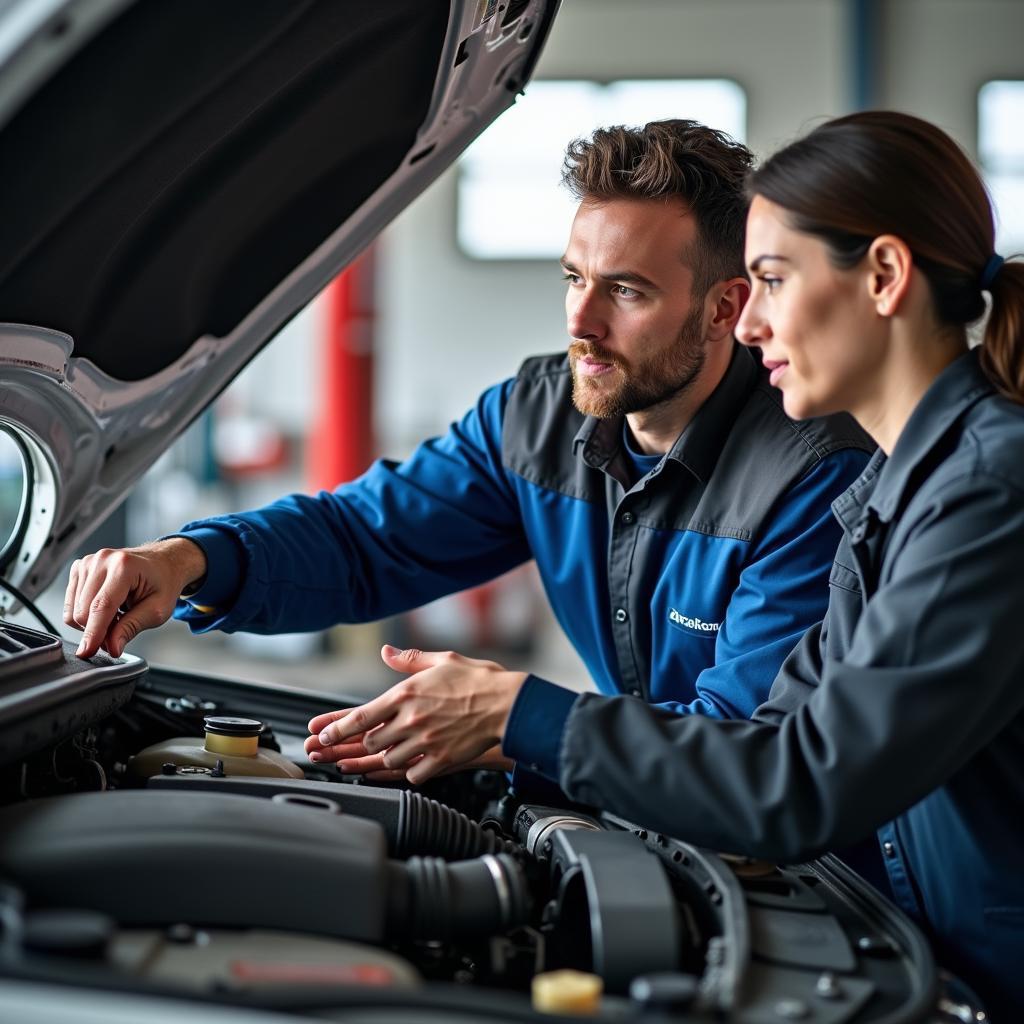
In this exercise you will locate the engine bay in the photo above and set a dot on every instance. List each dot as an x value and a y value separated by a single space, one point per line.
165 835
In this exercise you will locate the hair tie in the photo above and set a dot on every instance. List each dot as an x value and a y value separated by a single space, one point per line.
988 275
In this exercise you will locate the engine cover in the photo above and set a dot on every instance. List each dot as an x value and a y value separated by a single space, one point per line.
152 858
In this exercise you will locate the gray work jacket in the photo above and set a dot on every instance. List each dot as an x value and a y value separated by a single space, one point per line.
901 711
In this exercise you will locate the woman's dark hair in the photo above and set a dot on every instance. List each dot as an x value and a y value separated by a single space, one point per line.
678 159
878 172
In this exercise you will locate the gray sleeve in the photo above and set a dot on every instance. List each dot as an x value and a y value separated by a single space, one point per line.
934 665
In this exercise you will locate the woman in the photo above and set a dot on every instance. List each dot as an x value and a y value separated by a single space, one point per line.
870 242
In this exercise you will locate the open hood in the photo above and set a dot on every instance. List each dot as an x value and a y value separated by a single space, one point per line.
179 178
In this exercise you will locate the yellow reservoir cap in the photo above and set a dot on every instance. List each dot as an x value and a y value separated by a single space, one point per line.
239 737
240 746
567 992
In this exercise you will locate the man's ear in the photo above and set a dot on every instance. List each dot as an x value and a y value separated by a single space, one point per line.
889 264
729 298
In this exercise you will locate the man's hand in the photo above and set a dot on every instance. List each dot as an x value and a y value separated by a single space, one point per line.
114 595
450 713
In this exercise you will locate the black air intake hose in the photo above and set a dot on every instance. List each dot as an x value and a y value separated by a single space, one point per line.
414 824
429 898
428 827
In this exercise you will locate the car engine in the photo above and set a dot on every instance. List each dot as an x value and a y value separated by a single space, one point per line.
164 834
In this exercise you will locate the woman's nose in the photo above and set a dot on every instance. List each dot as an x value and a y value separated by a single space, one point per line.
752 327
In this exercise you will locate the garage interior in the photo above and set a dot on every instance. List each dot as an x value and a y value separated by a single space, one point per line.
404 341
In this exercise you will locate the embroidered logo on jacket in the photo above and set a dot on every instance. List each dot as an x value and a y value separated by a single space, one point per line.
692 625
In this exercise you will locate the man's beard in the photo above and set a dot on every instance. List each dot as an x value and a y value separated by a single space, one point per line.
650 383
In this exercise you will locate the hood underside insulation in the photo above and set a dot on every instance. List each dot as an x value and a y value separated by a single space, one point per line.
193 154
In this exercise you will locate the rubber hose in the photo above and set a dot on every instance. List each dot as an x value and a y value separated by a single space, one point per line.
428 827
432 899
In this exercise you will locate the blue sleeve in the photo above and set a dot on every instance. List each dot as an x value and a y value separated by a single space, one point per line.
225 566
401 535
782 592
533 733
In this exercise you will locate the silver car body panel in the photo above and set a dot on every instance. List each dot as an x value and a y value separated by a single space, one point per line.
91 436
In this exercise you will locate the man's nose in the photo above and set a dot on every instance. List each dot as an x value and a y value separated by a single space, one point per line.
583 317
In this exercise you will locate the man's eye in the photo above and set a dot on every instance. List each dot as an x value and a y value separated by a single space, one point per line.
571 278
625 291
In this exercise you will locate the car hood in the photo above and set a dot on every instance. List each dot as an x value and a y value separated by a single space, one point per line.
181 177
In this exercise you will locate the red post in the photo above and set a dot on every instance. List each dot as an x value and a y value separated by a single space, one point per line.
341 443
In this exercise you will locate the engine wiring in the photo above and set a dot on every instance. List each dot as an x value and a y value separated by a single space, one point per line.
22 599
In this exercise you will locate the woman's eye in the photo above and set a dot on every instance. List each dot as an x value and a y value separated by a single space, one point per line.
771 284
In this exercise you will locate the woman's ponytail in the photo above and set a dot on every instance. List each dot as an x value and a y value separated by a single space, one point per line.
1002 353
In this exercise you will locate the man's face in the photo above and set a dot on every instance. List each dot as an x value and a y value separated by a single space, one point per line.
638 329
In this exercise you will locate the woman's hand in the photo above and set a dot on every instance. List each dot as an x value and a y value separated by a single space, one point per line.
450 713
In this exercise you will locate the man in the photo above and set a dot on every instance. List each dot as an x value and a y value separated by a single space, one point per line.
680 522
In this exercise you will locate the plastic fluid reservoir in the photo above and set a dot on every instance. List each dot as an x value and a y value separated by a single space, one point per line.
233 741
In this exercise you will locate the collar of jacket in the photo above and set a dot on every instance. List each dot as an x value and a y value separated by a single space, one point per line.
698 446
884 482
959 387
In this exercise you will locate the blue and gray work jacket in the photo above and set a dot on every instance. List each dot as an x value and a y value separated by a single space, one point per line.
686 587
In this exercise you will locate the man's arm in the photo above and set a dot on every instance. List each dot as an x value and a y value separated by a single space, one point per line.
401 535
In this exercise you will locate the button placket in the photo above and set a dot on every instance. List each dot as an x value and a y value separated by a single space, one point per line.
896 869
622 549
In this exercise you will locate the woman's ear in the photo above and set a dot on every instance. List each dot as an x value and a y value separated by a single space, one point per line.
889 265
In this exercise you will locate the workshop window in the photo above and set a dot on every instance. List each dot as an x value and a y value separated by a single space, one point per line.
1001 151
511 204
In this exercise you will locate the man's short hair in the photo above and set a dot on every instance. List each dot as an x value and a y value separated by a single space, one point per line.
681 159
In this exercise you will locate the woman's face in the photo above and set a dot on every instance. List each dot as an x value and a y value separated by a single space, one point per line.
816 326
